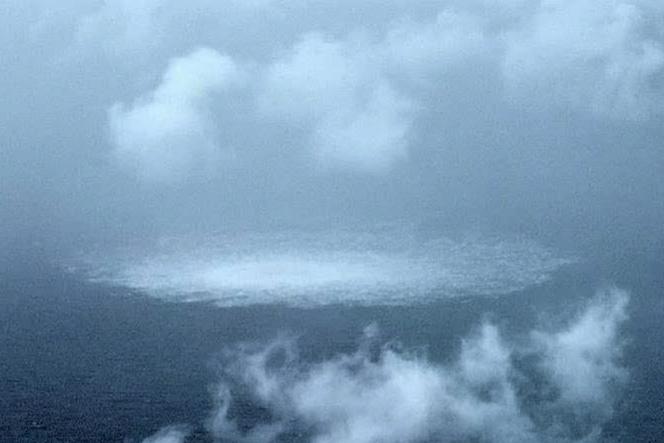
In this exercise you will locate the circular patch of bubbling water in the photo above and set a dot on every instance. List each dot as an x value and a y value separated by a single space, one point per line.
310 268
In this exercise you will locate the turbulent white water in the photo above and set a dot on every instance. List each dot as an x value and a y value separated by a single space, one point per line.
308 268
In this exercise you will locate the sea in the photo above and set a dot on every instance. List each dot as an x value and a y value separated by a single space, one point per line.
111 344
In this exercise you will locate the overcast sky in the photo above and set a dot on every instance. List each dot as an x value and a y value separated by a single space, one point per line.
132 116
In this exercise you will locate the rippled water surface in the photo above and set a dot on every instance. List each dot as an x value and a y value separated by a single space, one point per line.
390 265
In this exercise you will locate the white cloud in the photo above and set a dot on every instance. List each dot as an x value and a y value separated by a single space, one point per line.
581 359
591 55
169 434
357 118
396 396
354 94
352 98
595 56
167 134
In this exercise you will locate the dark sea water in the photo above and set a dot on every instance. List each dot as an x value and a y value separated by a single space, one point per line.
87 362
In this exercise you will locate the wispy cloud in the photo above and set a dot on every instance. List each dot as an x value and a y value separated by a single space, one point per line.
559 386
169 434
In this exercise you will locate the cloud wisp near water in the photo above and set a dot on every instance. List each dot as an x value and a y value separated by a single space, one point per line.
388 265
548 386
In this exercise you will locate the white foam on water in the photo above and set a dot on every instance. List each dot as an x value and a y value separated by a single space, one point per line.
382 266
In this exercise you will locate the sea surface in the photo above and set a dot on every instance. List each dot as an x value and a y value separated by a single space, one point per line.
113 351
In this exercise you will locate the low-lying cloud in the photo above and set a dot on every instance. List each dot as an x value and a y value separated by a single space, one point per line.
552 386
